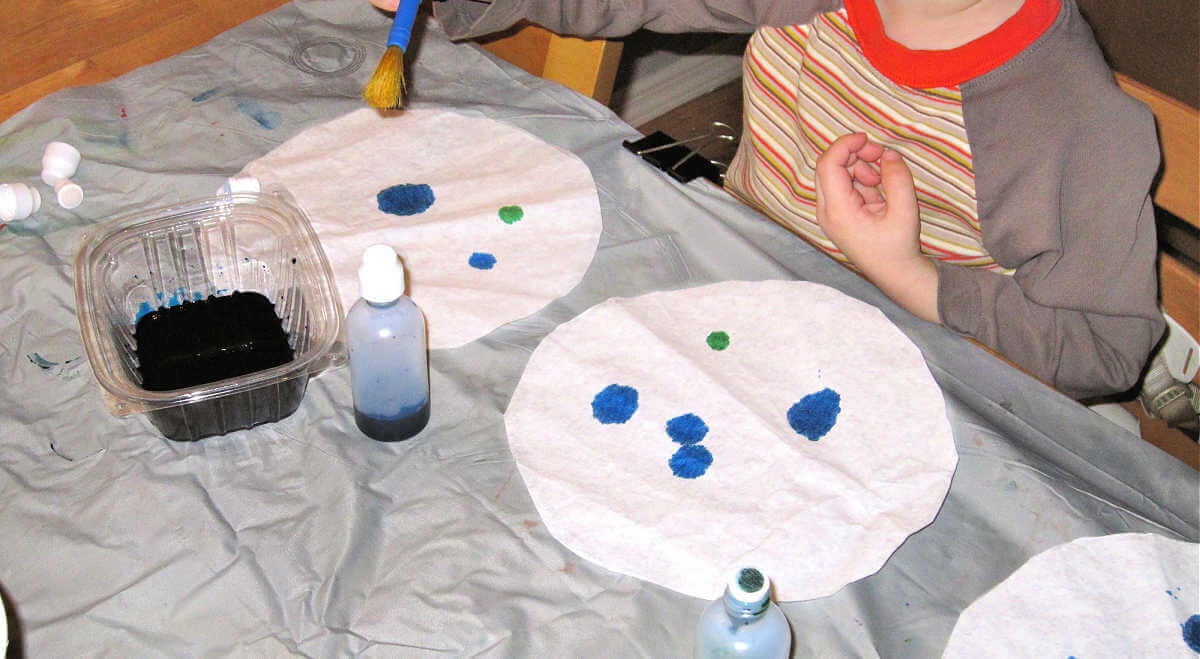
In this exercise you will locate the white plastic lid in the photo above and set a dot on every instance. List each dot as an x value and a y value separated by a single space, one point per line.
381 276
69 194
18 201
749 586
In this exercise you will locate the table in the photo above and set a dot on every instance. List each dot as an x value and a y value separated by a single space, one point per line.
303 537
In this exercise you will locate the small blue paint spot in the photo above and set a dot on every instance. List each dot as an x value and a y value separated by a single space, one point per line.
1173 595
690 461
482 261
405 199
815 414
615 404
687 429
1191 632
205 95
268 119
143 309
196 296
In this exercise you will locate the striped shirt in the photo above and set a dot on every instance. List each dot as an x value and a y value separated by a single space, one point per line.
806 85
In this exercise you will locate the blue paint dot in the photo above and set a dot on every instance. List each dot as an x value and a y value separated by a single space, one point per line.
405 199
687 429
1191 632
815 414
615 404
482 261
690 461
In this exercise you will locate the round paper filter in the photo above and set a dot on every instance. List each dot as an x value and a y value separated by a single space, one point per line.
785 425
1124 595
513 223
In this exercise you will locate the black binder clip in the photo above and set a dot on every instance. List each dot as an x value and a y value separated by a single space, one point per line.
681 162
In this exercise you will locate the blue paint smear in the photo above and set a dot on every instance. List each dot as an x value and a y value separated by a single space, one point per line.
405 199
1173 595
815 414
205 95
615 404
690 461
1191 632
268 119
40 361
482 261
687 429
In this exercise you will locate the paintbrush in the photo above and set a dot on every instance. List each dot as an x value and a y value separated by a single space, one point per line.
385 89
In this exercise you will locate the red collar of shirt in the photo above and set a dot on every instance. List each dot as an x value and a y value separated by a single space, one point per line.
925 69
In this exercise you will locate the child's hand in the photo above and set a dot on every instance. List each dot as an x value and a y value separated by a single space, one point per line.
386 5
867 205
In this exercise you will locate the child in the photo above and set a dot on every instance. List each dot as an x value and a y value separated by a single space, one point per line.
974 159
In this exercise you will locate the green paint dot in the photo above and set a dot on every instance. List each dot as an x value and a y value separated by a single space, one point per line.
718 340
510 214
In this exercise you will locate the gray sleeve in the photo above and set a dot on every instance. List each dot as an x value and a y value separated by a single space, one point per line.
1063 161
465 19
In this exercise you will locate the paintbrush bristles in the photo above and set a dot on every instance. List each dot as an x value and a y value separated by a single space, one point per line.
385 89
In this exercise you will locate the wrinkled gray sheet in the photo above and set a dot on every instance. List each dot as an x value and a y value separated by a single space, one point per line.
304 537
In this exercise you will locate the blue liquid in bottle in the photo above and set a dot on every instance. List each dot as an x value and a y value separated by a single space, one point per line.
389 365
744 622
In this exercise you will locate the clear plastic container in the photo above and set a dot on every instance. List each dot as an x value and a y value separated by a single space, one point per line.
259 243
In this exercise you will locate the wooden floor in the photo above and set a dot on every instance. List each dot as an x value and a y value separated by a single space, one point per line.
52 45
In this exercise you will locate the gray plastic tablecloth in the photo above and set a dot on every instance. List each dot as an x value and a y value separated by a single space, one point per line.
304 537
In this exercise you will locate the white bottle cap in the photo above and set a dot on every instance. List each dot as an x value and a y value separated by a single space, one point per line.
18 201
69 194
237 184
749 586
381 276
58 162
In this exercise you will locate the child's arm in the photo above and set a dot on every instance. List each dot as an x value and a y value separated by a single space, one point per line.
867 206
465 19
1082 318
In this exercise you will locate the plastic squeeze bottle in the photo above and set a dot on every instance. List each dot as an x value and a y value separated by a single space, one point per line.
389 354
744 622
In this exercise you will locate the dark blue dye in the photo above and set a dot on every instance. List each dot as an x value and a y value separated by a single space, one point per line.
690 461
143 309
405 199
616 403
205 95
1191 632
815 414
396 428
268 119
482 261
687 429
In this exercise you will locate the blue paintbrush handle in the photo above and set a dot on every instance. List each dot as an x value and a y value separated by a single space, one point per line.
406 13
